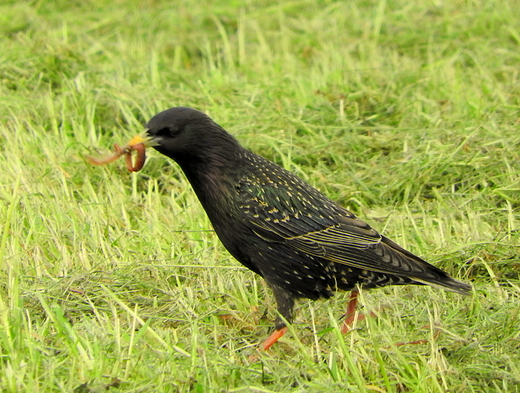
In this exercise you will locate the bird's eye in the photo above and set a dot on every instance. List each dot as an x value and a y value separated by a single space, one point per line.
167 131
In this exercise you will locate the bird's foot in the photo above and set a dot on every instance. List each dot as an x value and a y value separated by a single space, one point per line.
436 335
274 337
351 319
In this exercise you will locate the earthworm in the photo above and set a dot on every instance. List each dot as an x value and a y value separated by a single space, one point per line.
127 152
139 160
96 161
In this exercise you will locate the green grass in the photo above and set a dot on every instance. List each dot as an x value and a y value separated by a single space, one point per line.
405 112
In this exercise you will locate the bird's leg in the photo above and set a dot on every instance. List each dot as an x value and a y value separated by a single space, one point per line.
351 312
285 305
351 316
274 337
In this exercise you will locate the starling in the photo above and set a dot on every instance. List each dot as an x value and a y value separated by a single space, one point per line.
302 243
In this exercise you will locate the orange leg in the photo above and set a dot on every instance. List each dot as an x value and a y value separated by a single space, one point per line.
351 312
351 318
274 337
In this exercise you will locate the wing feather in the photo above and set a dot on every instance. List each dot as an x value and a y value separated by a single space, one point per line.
280 207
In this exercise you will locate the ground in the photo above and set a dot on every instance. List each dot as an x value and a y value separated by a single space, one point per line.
407 113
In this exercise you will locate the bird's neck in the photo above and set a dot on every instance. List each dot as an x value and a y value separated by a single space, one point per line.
213 176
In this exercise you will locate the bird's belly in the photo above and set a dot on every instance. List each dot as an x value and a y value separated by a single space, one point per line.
235 240
301 274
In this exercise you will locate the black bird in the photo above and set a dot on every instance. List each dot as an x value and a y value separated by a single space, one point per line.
303 244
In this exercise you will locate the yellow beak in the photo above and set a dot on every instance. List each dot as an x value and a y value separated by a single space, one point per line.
136 140
145 140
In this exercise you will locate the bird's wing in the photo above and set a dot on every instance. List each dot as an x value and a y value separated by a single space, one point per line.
302 218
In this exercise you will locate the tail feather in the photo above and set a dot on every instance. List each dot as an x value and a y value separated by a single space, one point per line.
447 283
435 277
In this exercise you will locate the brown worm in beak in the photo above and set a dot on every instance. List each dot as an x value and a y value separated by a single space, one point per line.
139 160
127 152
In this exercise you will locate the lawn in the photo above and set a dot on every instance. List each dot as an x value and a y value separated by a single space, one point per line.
407 113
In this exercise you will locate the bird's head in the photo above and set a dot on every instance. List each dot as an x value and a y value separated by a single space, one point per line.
187 135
